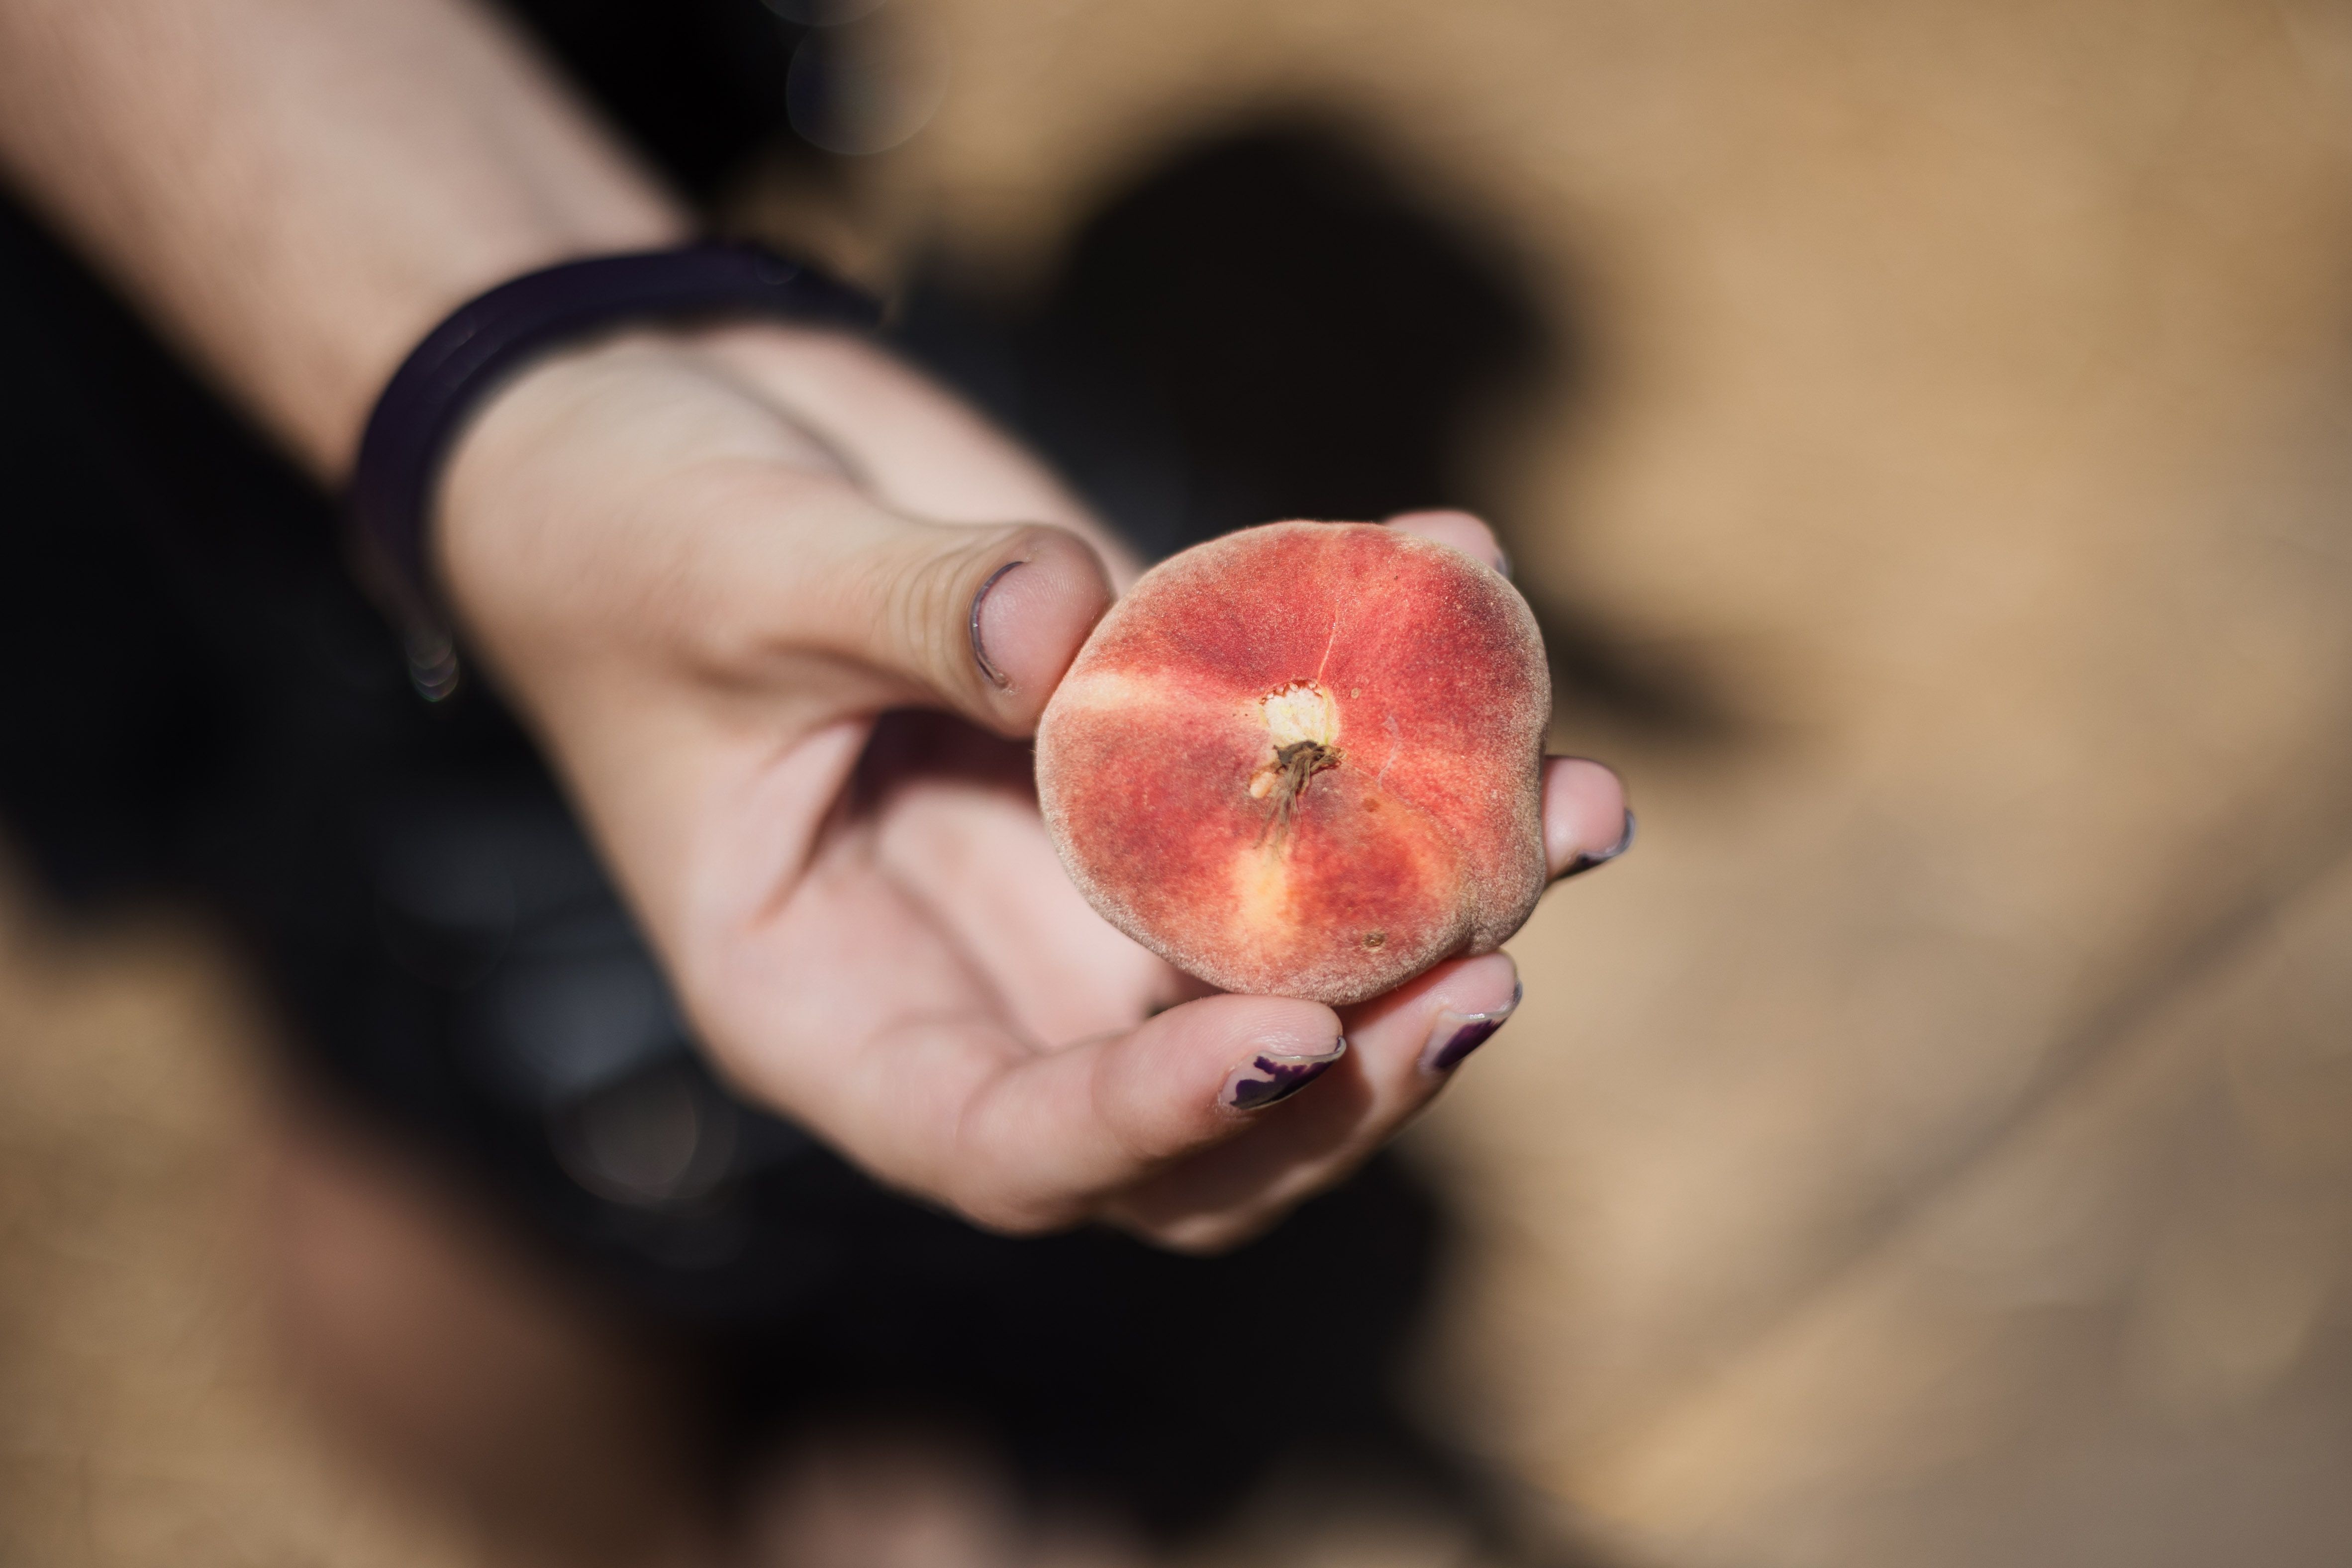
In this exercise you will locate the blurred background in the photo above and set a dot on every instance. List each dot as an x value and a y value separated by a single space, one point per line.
1922 429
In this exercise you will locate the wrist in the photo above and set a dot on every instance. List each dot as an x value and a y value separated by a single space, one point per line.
406 301
546 456
440 386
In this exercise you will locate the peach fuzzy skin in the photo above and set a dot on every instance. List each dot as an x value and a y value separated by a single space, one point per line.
1306 760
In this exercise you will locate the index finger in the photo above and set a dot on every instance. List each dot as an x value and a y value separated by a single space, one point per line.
1021 1140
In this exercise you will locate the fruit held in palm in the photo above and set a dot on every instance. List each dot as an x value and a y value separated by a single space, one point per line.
1305 759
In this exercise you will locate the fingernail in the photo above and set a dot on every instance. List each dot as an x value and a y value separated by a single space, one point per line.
1264 1079
996 677
1584 863
1503 561
1456 1035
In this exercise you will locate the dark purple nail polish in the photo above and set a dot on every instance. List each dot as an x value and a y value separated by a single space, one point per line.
1262 1080
1456 1035
996 677
1470 1037
1584 863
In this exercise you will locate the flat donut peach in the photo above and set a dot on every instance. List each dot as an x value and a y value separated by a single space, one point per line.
1305 759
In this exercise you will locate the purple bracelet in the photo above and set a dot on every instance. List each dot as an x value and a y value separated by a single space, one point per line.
437 386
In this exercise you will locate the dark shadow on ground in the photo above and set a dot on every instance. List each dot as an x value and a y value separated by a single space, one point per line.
1272 322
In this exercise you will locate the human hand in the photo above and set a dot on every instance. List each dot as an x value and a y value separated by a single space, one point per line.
715 572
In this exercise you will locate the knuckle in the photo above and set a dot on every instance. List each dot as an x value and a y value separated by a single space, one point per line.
1007 1215
941 626
925 613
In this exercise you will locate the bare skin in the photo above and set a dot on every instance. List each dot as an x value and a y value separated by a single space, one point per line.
701 565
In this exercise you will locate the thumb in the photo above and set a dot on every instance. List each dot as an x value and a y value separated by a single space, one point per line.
983 619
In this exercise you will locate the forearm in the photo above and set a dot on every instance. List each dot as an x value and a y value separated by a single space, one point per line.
296 190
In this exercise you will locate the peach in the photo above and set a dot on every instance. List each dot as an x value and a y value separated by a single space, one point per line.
1305 759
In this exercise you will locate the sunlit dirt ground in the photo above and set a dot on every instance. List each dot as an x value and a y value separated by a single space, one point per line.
1934 1144
145 1414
